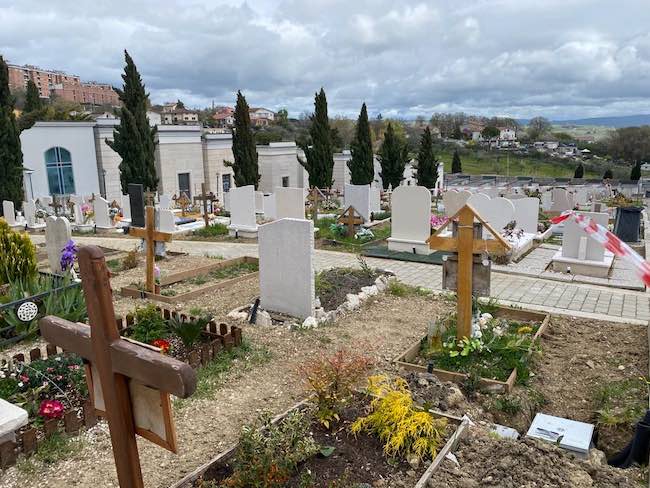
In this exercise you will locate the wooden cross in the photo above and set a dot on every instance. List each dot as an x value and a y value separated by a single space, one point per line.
149 198
117 361
56 204
466 246
314 199
150 236
350 217
204 198
183 201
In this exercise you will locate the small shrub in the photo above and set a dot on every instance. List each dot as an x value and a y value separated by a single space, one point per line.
380 215
149 325
332 378
168 292
188 331
213 230
269 454
507 404
404 430
131 260
399 289
17 255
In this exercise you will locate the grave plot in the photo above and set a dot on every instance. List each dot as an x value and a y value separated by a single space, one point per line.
183 286
348 232
341 436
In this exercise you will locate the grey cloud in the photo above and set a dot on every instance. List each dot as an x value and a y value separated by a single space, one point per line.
559 58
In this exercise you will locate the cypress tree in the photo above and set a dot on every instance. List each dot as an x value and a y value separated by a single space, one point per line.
320 160
362 168
455 163
11 155
393 155
243 146
635 174
32 98
133 139
608 174
580 171
426 173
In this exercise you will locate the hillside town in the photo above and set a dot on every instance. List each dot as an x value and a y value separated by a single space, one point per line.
423 265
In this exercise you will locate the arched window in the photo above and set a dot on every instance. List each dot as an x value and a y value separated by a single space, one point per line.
59 171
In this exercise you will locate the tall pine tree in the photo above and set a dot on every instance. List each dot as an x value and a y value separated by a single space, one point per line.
393 156
426 173
11 155
133 139
455 163
243 146
320 160
361 165
32 98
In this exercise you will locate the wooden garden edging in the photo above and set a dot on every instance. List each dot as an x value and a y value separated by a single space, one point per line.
227 455
129 291
404 360
221 336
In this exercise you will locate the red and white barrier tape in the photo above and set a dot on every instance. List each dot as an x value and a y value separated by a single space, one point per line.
609 241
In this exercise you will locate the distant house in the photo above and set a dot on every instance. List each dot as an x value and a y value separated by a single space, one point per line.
224 117
261 116
180 116
507 134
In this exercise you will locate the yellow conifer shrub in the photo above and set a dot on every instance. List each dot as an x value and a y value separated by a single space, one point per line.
404 430
17 255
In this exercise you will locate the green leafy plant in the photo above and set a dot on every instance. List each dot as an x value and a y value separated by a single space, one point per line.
466 346
17 255
332 378
268 453
188 331
149 325
405 430
213 230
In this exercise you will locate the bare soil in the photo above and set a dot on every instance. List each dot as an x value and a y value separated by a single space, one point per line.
333 285
485 460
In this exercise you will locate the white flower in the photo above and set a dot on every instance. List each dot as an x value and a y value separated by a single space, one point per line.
20 384
482 322
58 358
2 374
13 375
487 316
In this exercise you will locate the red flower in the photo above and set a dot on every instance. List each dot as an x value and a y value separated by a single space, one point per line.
51 409
24 378
162 344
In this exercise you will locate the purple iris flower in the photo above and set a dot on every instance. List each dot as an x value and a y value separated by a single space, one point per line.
68 255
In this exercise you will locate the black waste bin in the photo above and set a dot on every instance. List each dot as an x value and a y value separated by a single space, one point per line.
627 225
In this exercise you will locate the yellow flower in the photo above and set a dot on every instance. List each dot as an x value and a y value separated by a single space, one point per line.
524 330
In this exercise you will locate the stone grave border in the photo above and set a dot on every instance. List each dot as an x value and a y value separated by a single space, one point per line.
461 425
223 337
404 359
130 291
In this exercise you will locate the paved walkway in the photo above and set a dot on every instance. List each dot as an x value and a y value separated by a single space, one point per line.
534 293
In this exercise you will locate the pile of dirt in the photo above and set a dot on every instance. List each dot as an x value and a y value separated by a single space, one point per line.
485 460
333 285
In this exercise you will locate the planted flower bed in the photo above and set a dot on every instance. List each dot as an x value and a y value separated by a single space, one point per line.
333 234
194 340
496 356
340 437
193 283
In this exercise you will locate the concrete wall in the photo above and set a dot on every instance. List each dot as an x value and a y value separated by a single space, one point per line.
179 150
78 138
279 160
108 161
216 149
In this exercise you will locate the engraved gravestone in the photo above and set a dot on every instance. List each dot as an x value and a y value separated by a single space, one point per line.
136 202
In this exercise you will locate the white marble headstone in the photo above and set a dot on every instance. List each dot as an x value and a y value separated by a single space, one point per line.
527 214
9 212
259 202
562 200
29 208
498 212
410 219
454 200
270 207
577 244
12 418
359 197
77 201
478 201
57 235
126 207
289 203
286 249
166 220
164 201
102 216
242 208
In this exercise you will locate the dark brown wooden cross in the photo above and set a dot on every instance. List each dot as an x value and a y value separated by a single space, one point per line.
118 361
350 217
150 236
204 198
56 204
466 246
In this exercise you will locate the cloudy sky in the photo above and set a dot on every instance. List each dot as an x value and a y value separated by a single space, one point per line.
557 58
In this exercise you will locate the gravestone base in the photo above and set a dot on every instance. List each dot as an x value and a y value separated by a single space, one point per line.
36 226
597 269
244 231
406 245
522 246
12 418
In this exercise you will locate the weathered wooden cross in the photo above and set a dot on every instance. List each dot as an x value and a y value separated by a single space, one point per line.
350 217
314 197
183 202
150 236
149 198
58 202
466 246
204 198
124 369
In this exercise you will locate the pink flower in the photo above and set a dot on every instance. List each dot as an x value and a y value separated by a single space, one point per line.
51 409
437 221
24 378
